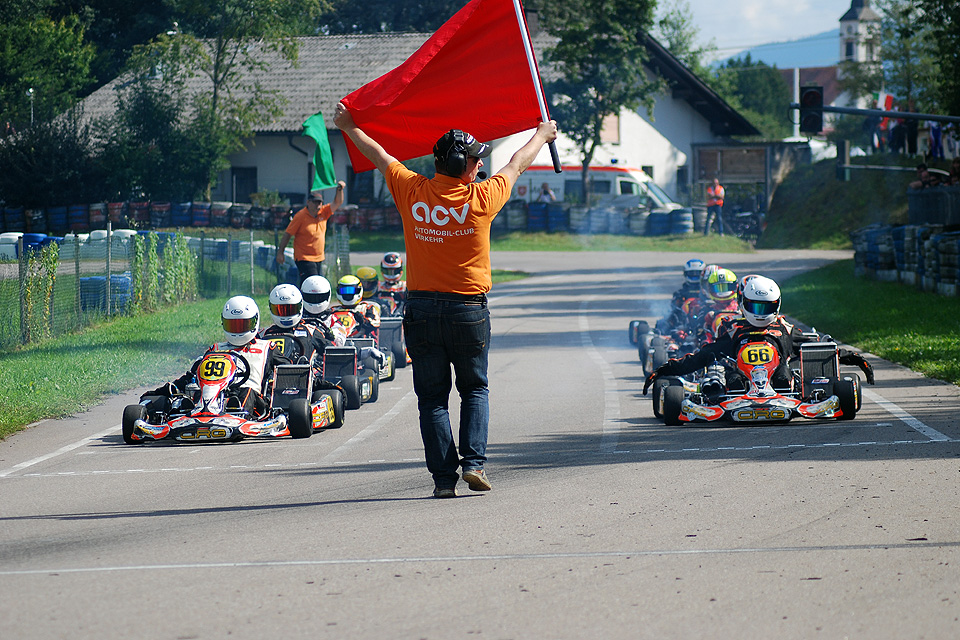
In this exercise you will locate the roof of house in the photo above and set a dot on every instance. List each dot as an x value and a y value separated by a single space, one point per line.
825 77
330 67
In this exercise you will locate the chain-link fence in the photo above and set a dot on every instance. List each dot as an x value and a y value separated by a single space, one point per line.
49 286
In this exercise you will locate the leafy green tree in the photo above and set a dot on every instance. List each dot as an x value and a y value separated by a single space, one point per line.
942 18
908 50
217 51
758 91
599 60
45 55
380 16
677 32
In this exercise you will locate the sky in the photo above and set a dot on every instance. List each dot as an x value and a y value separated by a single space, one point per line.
735 25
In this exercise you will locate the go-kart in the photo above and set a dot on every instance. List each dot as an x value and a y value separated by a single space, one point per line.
741 390
654 348
207 410
365 340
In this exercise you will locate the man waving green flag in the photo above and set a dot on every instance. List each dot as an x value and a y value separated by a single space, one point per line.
323 176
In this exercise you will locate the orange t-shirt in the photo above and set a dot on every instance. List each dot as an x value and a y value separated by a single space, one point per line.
308 233
446 228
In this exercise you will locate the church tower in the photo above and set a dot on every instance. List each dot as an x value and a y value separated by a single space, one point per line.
859 33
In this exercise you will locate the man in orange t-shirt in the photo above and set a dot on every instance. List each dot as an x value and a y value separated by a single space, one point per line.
714 206
308 230
446 230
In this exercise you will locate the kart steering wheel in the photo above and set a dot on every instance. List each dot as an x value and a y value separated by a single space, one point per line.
243 369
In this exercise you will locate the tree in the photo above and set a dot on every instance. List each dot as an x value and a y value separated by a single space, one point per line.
599 60
942 19
677 32
910 69
380 16
48 56
758 91
222 45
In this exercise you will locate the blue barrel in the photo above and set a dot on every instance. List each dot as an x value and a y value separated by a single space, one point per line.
93 291
556 217
13 219
201 214
121 290
57 220
78 217
180 214
537 216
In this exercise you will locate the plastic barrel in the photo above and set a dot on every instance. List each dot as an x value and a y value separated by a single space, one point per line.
57 220
537 216
159 214
180 214
78 217
117 212
200 212
556 217
220 214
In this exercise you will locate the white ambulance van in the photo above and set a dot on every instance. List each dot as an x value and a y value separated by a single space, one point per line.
605 182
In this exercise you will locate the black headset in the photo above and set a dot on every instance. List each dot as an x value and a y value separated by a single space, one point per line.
456 161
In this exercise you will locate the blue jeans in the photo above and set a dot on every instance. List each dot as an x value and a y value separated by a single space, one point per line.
714 210
441 333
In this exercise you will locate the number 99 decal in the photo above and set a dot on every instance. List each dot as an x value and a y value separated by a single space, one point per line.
757 354
215 368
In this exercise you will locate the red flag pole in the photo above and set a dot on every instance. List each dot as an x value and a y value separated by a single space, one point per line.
528 48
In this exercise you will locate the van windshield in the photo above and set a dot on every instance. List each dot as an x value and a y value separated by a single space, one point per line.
658 195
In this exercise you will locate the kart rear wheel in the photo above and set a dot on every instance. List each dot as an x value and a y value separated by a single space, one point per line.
351 389
658 386
643 351
301 419
374 383
399 354
847 392
132 413
391 367
336 397
672 399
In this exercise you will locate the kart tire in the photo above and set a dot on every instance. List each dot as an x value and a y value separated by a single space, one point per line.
643 351
338 405
374 383
399 354
391 367
351 389
658 387
132 413
847 392
300 418
632 333
672 399
659 355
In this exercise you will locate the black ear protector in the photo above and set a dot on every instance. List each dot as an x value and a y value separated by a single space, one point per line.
457 154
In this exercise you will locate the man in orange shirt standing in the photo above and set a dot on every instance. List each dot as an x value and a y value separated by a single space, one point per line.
446 231
714 206
308 230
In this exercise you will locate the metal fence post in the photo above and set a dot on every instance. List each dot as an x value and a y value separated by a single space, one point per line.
22 269
251 263
229 261
109 232
76 262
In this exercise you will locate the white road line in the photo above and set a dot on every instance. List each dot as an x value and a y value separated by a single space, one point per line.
371 429
59 452
611 397
908 419
584 555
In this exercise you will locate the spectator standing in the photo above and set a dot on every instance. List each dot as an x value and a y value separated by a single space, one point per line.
714 206
546 194
446 230
308 230
936 140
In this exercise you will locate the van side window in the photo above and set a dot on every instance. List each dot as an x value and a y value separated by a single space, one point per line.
573 190
629 188
599 186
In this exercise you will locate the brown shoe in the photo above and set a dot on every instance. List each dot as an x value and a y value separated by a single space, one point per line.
477 480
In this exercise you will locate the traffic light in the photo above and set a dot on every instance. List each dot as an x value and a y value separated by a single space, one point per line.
811 109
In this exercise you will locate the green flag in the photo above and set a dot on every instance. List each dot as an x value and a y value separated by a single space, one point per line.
323 176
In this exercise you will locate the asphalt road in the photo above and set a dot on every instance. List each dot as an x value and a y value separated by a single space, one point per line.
603 523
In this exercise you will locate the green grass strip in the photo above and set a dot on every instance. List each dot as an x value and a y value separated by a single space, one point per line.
920 330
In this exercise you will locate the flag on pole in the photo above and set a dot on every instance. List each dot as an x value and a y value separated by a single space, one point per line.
472 74
323 174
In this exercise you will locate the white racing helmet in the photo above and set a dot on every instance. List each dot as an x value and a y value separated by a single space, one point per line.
760 301
692 270
286 305
241 320
316 294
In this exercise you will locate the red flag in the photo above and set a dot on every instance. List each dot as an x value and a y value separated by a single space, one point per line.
472 74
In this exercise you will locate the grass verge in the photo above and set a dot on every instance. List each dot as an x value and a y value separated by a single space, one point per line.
897 322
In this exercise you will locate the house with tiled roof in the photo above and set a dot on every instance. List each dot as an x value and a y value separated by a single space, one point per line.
279 157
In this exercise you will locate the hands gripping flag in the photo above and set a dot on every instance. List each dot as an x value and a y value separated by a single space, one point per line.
472 74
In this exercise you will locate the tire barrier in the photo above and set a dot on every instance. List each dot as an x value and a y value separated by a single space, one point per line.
78 218
925 256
